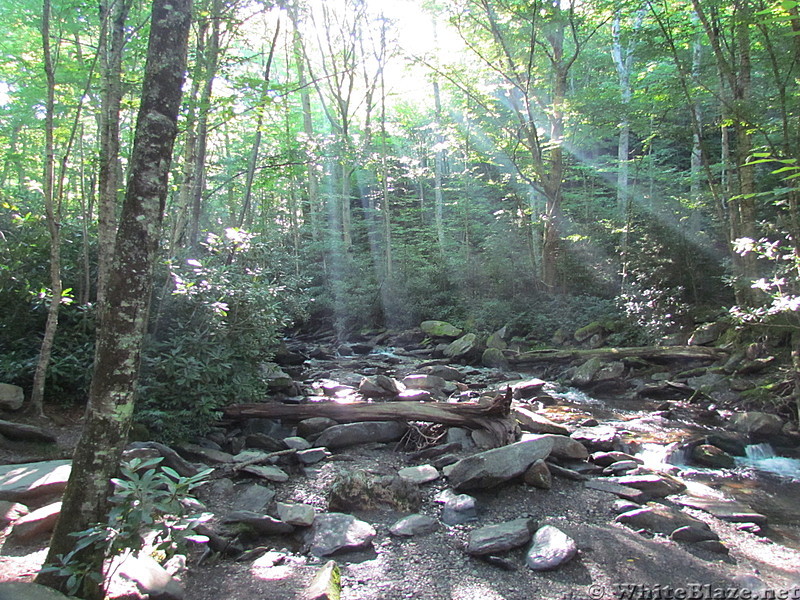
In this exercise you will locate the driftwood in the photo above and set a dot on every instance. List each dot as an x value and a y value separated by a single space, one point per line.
657 354
494 418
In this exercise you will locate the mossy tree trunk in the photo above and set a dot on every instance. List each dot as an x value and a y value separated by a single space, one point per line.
124 316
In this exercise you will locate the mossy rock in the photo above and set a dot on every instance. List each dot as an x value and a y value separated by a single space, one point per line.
440 329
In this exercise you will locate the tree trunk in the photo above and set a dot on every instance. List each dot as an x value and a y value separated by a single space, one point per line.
438 166
124 321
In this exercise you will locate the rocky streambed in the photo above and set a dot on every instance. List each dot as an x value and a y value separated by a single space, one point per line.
631 483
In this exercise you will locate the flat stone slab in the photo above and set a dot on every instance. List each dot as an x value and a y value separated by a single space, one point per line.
727 510
623 491
261 524
338 532
419 475
26 433
37 523
414 525
493 467
655 486
267 472
33 480
493 539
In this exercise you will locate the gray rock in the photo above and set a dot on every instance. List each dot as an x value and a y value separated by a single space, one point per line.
459 509
26 433
538 475
707 455
623 491
584 374
535 423
440 329
414 396
420 381
254 498
326 585
10 512
28 591
502 537
529 388
464 347
415 524
707 333
313 426
493 467
605 459
446 372
171 458
621 467
339 532
494 359
727 510
599 438
712 546
656 518
276 378
483 439
419 474
379 387
563 446
301 515
655 486
151 578
312 455
260 524
351 434
757 423
550 549
297 443
692 534
262 441
268 472
206 455
12 397
36 523
33 480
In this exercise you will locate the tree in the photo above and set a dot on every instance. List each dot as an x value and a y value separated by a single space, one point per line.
124 317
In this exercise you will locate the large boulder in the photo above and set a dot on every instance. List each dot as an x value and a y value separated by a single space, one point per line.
707 333
535 423
493 467
33 480
757 423
11 397
441 329
466 346
351 434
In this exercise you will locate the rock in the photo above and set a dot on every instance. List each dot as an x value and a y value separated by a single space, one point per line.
621 467
312 455
415 524
254 498
313 426
584 333
151 578
483 439
260 524
268 472
297 443
459 509
11 397
655 486
379 387
206 455
10 512
712 546
351 434
171 458
659 519
327 583
430 383
529 388
550 549
464 347
493 467
600 438
536 423
538 475
623 491
262 441
414 396
37 523
584 374
446 372
563 446
692 534
33 480
277 380
28 591
441 329
707 455
26 433
605 459
622 506
419 475
493 539
301 515
727 510
609 372
338 532
732 443
757 423
494 359
460 436
707 333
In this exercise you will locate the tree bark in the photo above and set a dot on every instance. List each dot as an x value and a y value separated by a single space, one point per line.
124 320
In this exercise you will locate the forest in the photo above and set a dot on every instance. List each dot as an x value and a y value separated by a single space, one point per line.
349 169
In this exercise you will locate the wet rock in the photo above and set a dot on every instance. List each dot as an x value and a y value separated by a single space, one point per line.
260 524
301 515
621 467
150 578
338 532
28 591
605 459
494 358
464 347
494 539
757 423
623 491
254 498
412 525
315 425
351 434
536 423
727 510
326 585
31 481
527 389
655 486
707 455
441 329
26 433
551 548
538 475
419 474
36 523
707 333
599 438
12 397
10 512
732 443
493 467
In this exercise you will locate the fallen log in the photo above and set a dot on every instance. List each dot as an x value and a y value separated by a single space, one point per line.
494 418
657 354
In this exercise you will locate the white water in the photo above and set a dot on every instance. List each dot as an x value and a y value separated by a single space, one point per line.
763 458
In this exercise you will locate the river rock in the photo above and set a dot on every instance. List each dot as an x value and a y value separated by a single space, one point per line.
10 512
12 397
28 591
351 434
584 374
464 347
551 548
727 510
419 474
493 539
31 481
206 455
605 459
312 456
655 486
458 508
380 386
296 442
707 455
267 472
26 433
153 580
412 525
757 423
660 519
494 359
707 333
277 379
327 583
260 524
538 475
37 523
599 438
623 491
692 534
441 329
493 467
339 532
535 423
315 425
563 446
301 515
420 381
171 458
530 388
253 498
